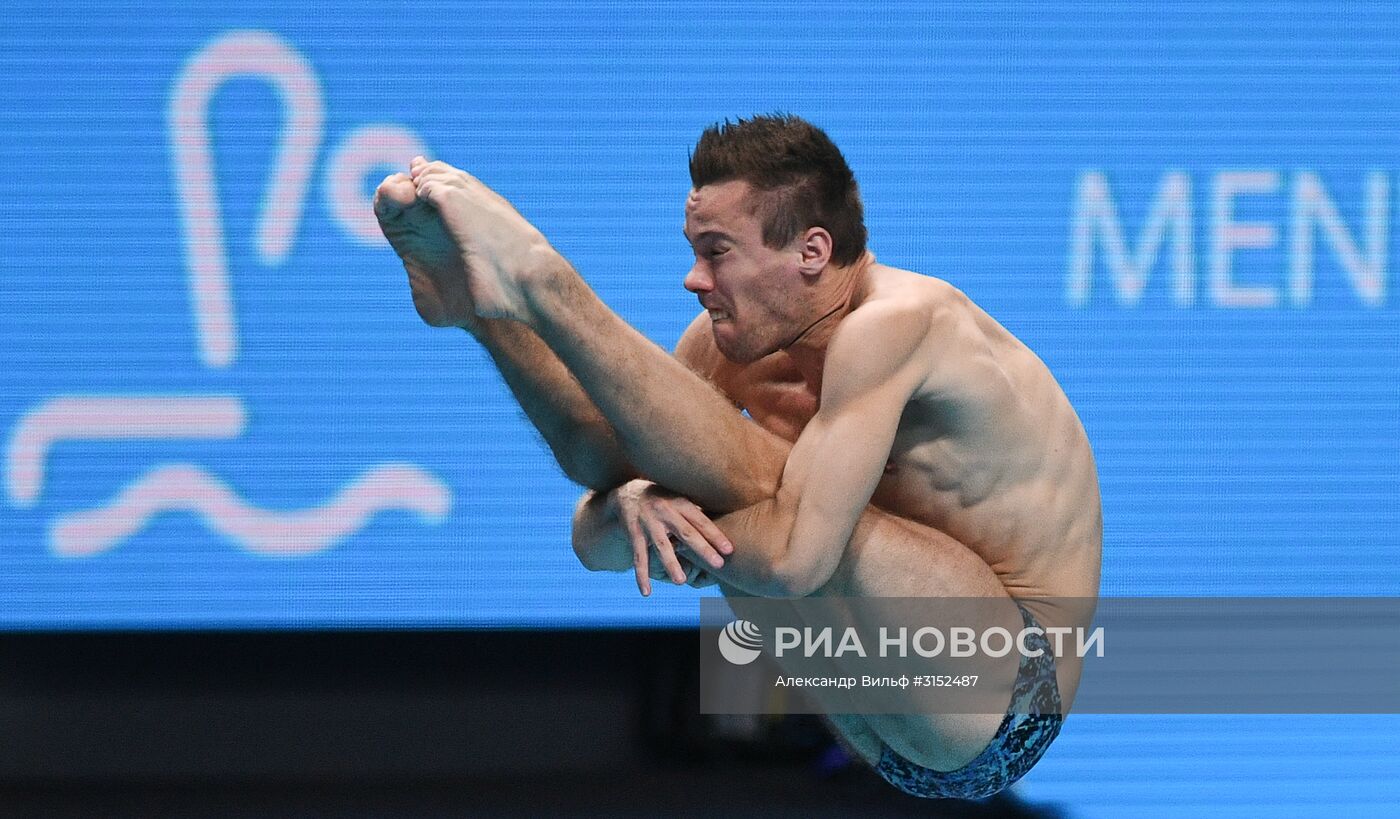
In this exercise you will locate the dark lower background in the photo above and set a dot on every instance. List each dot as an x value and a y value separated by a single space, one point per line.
421 724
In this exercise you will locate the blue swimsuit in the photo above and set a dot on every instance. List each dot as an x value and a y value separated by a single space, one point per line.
1031 724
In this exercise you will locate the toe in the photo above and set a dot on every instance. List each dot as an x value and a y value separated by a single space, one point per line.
394 194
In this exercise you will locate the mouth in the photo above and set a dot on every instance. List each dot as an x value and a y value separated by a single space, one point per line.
719 315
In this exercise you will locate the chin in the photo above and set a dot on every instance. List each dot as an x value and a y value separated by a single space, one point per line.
744 357
741 354
738 346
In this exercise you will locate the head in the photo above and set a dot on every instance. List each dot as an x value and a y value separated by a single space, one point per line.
773 209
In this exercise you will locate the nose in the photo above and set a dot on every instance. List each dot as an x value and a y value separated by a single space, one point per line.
699 280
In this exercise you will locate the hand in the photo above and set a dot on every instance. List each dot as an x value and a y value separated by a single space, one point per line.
500 250
652 517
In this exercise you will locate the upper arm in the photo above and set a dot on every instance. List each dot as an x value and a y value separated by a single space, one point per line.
878 361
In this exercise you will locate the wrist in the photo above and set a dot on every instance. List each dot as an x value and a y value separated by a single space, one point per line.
632 490
612 505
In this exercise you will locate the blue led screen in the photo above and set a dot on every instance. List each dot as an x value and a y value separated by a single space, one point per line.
220 410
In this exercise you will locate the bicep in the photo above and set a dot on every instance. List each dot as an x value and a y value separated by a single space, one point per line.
841 457
873 370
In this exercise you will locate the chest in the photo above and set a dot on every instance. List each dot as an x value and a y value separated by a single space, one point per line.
774 394
934 467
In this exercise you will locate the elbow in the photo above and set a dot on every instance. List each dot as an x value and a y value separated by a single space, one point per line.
788 573
587 552
582 552
797 576
586 563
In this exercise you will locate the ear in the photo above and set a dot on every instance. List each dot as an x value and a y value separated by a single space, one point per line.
815 247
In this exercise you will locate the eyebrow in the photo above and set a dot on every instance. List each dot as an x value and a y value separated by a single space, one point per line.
702 234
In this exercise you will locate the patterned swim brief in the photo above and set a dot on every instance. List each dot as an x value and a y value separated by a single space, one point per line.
1031 724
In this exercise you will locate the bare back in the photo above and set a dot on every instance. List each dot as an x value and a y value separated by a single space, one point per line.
1001 463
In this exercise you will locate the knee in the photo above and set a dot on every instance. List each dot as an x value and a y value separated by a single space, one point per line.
789 579
583 466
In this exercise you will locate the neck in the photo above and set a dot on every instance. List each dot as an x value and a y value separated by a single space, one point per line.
843 295
807 349
807 334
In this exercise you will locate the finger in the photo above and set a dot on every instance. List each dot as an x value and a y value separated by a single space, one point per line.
661 541
690 564
708 529
639 557
698 544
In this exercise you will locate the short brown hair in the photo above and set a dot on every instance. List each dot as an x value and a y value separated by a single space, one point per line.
802 177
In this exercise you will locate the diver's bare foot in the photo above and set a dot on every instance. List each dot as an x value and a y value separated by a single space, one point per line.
436 275
502 252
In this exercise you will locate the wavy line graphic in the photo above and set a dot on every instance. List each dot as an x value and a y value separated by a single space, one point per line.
188 488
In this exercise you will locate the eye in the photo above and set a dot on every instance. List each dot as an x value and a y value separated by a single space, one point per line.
719 251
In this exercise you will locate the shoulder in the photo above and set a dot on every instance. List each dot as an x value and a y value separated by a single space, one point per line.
921 320
908 299
900 315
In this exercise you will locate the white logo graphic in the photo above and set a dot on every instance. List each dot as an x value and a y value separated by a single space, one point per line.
392 485
741 642
1171 231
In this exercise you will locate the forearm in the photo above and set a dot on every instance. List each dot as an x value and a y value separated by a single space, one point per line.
764 561
794 543
761 563
579 436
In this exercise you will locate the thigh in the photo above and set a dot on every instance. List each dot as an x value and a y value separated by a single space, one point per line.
890 557
856 734
943 744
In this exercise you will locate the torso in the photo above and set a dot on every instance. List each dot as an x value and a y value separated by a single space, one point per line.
1008 473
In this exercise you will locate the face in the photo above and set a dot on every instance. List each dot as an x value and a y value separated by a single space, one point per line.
747 287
